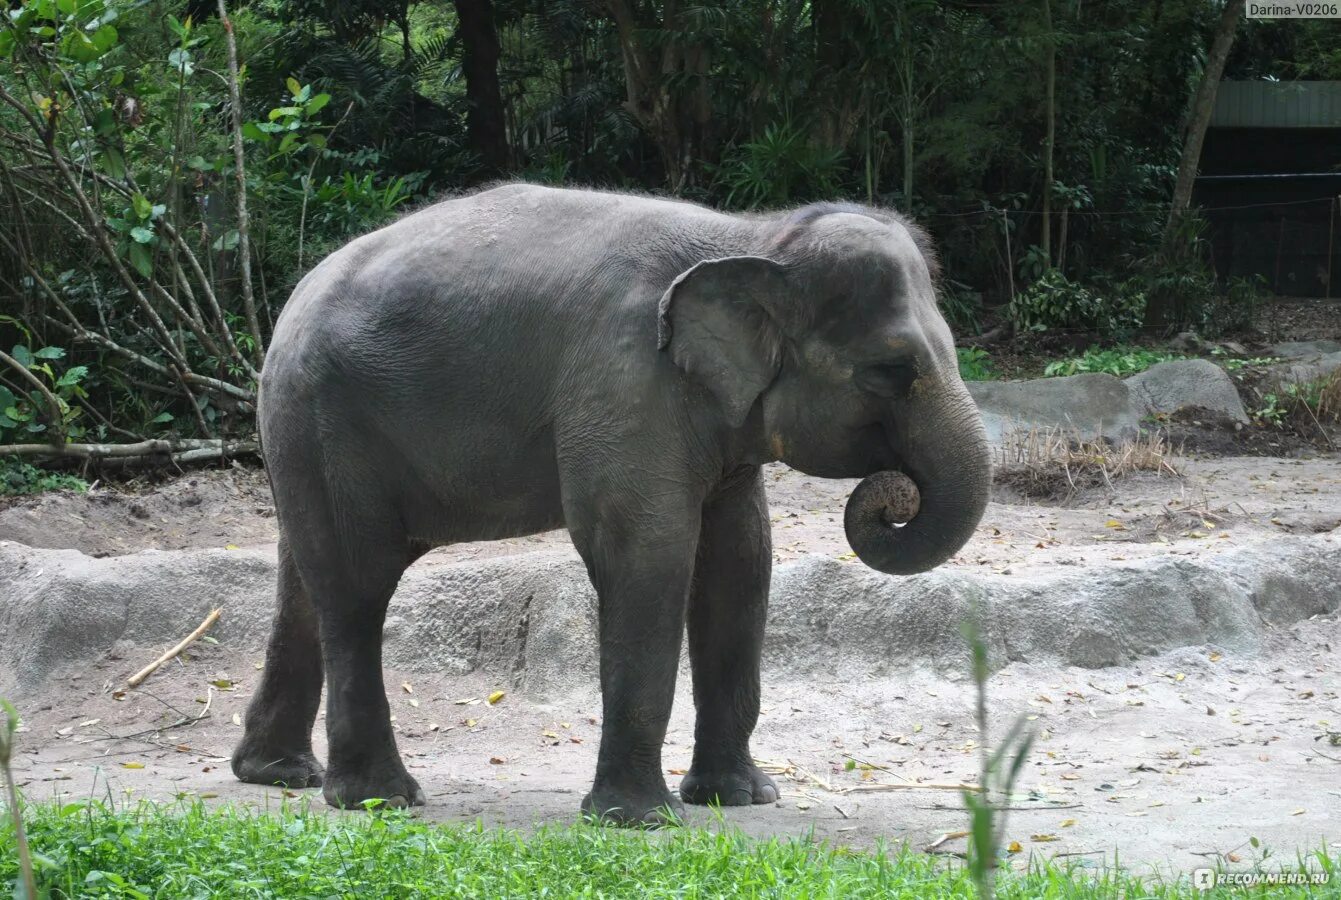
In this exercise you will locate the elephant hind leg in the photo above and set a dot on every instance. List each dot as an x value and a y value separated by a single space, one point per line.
276 747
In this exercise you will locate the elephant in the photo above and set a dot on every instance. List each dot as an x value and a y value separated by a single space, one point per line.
529 358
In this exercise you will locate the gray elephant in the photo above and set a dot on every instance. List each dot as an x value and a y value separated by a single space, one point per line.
530 358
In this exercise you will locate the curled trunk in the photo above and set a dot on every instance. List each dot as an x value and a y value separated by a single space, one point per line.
902 523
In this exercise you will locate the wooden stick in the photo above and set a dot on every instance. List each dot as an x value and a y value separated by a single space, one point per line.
912 786
139 677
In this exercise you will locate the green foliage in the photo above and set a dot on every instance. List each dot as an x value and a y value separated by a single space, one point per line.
782 166
1178 277
1235 310
1119 361
1055 301
975 364
18 477
352 109
25 884
26 413
998 769
961 306
1304 405
88 848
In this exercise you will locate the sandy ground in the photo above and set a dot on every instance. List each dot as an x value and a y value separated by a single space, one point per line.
1173 762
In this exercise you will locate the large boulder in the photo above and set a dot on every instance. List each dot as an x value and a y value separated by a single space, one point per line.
1089 406
531 619
1310 369
1169 386
1305 349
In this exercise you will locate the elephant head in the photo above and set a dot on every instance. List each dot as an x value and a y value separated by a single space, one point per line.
824 345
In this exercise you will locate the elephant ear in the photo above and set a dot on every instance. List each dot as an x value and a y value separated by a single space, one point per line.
715 320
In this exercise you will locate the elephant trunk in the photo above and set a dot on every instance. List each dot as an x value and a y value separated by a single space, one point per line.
902 523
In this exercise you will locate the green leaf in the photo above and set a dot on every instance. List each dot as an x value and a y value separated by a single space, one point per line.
50 353
281 111
294 87
77 45
141 260
161 419
104 38
317 104
72 376
287 144
142 235
6 42
180 61
22 354
115 162
252 131
226 241
143 208
177 27
317 140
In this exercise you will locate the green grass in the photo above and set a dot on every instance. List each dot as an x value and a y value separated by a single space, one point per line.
184 849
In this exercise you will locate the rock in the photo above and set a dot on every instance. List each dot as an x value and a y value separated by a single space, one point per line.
531 619
1304 349
1307 369
1091 405
1168 386
1187 341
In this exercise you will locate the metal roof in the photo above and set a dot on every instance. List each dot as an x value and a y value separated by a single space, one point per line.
1277 104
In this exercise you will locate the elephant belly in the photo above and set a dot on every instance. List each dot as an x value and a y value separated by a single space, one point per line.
485 503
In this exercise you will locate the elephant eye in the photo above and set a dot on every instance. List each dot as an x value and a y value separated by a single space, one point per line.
886 379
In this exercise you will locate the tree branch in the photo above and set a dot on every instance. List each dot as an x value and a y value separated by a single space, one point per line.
54 412
243 223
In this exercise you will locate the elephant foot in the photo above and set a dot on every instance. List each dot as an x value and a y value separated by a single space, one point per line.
294 770
739 786
391 785
644 808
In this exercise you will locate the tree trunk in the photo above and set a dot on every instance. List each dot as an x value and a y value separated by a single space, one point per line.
486 132
1161 308
1202 106
1050 138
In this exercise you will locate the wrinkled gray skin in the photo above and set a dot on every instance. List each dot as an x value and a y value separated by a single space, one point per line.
530 358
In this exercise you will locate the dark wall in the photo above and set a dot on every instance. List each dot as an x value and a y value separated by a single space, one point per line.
1282 228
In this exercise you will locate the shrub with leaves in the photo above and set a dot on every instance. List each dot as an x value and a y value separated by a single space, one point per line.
1120 361
1055 301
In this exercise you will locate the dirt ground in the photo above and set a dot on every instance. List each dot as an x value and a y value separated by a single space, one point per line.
1172 762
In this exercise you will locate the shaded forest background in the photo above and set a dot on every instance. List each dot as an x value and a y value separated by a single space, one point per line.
168 170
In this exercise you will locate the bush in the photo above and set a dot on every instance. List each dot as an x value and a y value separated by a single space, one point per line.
24 478
1119 361
975 364
1054 301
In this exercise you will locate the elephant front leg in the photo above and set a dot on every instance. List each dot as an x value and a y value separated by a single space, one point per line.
641 572
727 608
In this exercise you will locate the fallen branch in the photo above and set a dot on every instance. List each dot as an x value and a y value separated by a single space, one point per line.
911 786
182 451
948 836
139 677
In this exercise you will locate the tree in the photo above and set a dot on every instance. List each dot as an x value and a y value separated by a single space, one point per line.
1162 304
666 69
486 131
1203 103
